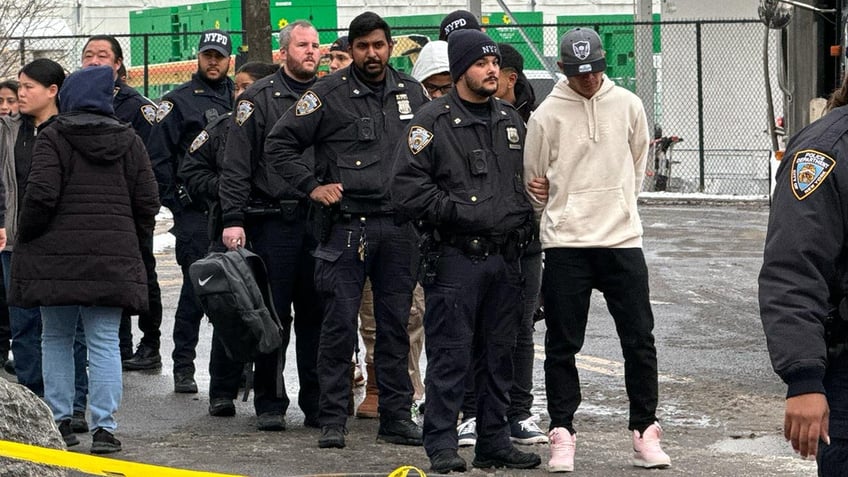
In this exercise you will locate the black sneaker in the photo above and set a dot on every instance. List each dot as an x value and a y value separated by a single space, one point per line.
446 461
145 357
400 431
78 424
222 407
332 437
184 383
9 366
271 421
104 442
67 433
510 458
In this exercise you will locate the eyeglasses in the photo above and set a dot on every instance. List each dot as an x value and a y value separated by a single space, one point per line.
443 89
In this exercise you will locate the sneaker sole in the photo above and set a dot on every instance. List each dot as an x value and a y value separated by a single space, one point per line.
71 440
560 468
467 442
104 449
651 465
400 440
528 441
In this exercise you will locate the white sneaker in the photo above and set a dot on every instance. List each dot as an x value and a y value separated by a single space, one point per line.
562 450
467 432
647 452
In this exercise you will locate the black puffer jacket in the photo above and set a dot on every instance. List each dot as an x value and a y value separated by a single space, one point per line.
91 192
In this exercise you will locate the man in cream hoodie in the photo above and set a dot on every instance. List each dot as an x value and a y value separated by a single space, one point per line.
590 139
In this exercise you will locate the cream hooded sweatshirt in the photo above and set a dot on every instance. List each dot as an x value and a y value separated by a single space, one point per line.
593 153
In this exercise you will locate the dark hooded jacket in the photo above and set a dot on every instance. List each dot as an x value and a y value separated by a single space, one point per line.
91 192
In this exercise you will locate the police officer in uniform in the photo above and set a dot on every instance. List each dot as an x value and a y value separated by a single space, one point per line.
354 119
131 107
460 172
182 114
803 286
260 206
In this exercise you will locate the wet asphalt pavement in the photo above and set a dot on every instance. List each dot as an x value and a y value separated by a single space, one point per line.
721 406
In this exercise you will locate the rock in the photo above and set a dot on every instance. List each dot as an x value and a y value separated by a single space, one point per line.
28 420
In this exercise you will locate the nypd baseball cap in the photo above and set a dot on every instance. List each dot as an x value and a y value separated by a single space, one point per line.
581 52
217 40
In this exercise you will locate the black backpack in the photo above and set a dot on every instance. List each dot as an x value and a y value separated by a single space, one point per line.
234 292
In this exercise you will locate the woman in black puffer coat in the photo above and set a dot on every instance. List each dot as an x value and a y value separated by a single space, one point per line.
91 193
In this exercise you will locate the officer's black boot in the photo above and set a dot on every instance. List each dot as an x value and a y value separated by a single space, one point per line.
446 461
400 431
509 457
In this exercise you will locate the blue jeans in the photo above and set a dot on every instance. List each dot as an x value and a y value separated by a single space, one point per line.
57 347
25 325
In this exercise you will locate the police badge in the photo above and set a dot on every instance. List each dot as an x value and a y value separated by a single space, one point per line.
512 137
418 139
809 169
148 111
165 107
403 105
198 141
243 111
308 104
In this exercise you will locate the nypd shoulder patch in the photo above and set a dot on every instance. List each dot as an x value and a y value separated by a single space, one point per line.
418 139
148 112
198 141
308 104
165 107
243 111
809 169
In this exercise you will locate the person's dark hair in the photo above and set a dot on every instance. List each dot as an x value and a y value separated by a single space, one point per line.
116 47
122 71
258 69
364 24
839 97
10 84
46 72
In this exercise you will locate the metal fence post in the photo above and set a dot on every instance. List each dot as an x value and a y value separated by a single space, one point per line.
700 68
146 65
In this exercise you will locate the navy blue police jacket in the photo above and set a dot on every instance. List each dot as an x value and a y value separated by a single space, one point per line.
354 132
459 174
181 115
247 175
132 107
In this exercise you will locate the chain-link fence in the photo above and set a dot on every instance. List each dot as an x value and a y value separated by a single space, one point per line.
702 81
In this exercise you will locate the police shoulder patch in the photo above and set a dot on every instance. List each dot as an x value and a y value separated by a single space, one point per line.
308 104
418 139
198 141
165 107
148 111
809 169
243 111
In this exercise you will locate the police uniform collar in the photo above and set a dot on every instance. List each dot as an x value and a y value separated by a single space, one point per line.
460 116
201 86
393 83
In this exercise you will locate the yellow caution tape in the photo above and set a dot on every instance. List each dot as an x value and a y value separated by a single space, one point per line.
95 465
405 470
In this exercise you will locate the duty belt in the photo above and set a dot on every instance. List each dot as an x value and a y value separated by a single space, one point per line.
477 246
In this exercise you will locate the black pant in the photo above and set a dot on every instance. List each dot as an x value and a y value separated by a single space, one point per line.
5 329
190 229
472 313
285 247
622 276
833 458
150 321
339 278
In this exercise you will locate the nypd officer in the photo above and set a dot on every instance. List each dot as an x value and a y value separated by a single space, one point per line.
460 173
354 119
259 206
182 114
803 287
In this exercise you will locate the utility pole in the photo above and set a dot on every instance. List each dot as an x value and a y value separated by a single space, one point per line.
644 54
256 23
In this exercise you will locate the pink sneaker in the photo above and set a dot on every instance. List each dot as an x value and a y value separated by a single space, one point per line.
562 450
647 452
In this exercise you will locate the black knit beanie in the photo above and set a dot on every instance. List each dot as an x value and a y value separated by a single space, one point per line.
457 20
466 47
